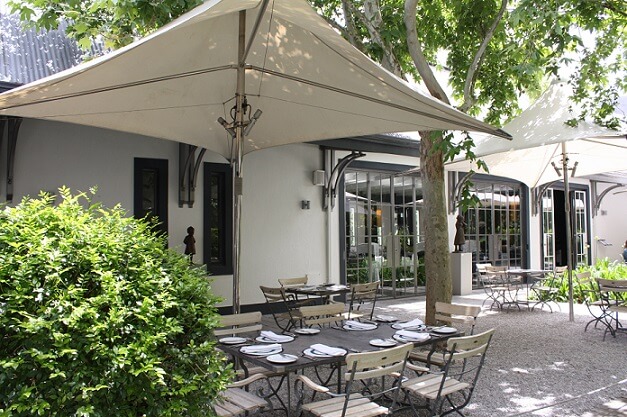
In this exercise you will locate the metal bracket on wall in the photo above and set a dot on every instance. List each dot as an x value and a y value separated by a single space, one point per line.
189 165
14 124
536 196
598 198
330 189
455 188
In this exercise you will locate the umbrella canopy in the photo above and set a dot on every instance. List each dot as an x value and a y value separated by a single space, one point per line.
309 82
206 78
538 134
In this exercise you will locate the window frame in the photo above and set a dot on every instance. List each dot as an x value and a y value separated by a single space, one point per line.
225 218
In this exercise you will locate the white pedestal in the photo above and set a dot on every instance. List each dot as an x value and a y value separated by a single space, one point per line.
461 273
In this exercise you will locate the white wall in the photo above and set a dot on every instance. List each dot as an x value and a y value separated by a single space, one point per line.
279 239
610 224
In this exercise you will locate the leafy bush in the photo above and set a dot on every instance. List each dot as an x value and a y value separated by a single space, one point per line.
99 318
603 268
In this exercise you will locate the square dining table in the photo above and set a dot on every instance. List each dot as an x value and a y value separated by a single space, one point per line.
353 341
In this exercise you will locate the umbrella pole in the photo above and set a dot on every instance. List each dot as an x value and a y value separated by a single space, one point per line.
236 159
569 254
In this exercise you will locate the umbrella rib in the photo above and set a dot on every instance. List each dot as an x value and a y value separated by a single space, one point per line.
123 86
362 96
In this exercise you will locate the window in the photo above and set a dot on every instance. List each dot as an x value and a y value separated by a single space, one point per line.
151 191
218 219
494 232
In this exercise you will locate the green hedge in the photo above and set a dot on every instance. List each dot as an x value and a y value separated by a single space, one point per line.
99 318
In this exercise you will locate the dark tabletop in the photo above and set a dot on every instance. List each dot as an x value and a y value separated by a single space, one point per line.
352 341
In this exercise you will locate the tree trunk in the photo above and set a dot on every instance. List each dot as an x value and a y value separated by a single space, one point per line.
437 251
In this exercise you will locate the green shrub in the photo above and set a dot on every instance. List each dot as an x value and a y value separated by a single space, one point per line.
99 318
603 268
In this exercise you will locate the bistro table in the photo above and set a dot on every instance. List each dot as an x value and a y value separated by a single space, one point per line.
352 341
324 291
524 278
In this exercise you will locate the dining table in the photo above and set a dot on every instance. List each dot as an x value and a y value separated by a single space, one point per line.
521 279
323 291
297 352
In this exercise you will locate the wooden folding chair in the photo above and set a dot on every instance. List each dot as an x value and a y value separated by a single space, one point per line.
360 394
449 390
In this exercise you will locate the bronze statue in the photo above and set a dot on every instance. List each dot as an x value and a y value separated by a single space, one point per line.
460 238
190 244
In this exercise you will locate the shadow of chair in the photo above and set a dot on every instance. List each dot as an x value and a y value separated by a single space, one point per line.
362 389
463 317
282 306
362 297
449 390
546 288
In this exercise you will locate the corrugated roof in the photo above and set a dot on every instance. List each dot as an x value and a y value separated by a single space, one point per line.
27 55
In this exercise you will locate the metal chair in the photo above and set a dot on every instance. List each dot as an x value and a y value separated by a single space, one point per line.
281 306
546 288
363 295
363 387
449 390
598 306
287 283
447 314
494 283
248 324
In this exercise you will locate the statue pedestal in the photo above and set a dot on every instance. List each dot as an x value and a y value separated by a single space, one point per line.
461 273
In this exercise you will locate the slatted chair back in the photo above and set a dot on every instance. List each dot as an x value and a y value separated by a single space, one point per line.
452 387
293 282
321 315
235 324
362 369
361 296
456 314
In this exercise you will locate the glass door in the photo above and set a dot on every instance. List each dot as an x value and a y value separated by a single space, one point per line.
383 242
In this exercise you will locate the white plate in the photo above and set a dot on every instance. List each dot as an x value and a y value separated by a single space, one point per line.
385 319
362 327
420 327
307 331
383 342
264 339
232 340
282 358
445 330
315 354
265 353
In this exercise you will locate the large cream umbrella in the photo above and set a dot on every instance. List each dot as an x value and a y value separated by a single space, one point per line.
234 76
544 149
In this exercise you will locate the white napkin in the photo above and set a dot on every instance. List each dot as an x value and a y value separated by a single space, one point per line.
260 348
413 323
279 338
413 336
328 350
358 325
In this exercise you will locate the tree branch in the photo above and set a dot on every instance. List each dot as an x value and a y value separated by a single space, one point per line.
473 71
351 30
415 51
389 60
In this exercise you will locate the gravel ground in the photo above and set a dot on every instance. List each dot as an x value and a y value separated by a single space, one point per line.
539 363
